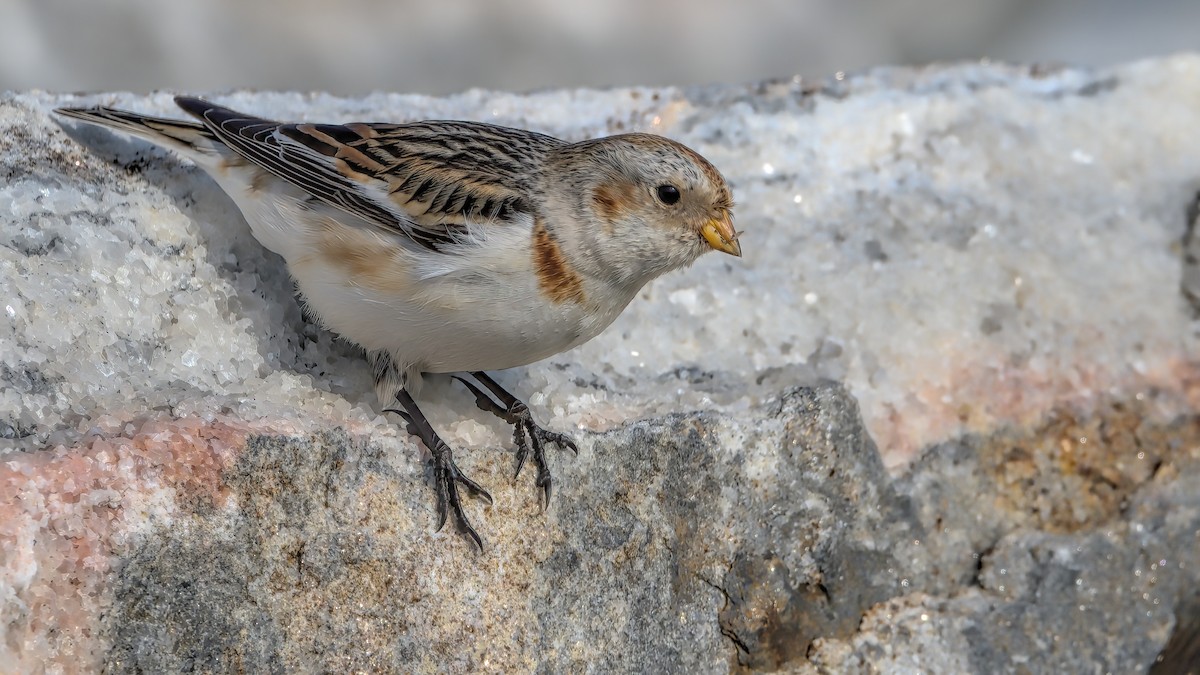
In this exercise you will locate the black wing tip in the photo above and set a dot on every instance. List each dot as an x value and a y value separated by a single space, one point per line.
196 107
211 113
192 105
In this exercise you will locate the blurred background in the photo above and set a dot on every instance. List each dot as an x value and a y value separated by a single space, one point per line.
444 46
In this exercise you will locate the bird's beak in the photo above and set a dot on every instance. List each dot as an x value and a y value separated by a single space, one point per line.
719 234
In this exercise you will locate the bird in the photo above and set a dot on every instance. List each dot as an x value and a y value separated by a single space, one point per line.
455 247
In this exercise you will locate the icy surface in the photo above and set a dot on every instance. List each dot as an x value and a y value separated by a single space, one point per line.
961 247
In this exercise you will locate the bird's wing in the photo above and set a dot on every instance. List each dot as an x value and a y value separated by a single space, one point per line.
428 180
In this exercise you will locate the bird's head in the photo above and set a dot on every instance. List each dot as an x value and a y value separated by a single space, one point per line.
643 205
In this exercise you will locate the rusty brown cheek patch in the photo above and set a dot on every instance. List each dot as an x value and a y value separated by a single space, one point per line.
611 201
606 202
556 279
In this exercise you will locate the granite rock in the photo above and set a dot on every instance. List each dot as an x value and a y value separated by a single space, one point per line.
941 418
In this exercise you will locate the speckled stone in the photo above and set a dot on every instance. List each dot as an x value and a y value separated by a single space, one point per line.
943 416
691 543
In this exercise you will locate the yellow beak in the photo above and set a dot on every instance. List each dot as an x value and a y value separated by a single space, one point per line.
719 234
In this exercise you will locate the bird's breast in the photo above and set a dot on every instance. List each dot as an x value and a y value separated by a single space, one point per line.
481 309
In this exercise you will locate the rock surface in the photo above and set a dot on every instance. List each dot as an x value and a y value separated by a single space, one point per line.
983 271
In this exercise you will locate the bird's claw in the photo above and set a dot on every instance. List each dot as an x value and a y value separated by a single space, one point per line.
409 426
447 476
531 439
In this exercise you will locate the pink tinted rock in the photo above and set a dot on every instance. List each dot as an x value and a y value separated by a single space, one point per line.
67 514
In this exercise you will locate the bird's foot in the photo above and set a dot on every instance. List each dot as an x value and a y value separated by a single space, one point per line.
529 437
446 474
531 440
447 477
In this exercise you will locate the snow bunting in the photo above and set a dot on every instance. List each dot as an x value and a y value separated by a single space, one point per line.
456 247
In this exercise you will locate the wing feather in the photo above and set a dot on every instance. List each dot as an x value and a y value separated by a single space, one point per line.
431 181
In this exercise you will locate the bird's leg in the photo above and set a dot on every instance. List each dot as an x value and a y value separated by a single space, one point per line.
528 436
446 475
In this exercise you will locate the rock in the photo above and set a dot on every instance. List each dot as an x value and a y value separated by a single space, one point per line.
942 418
324 560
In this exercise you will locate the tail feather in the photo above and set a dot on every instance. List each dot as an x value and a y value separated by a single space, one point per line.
177 134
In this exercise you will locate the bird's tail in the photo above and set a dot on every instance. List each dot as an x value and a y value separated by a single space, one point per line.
188 137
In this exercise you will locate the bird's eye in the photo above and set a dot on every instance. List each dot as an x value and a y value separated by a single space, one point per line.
668 194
